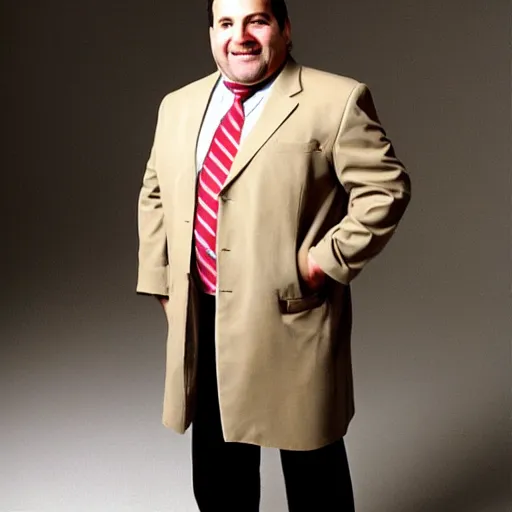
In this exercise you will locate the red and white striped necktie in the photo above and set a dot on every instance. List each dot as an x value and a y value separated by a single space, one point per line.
215 170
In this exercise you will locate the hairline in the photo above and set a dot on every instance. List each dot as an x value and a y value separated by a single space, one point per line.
281 23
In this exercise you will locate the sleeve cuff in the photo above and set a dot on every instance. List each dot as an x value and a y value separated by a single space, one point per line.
335 268
153 281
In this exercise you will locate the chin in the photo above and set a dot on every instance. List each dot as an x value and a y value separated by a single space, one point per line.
250 77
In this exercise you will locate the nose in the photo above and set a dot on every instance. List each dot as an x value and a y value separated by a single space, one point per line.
239 33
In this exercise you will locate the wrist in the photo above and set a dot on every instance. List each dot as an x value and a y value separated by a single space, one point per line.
313 267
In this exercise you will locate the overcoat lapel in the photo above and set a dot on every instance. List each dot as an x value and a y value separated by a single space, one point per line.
196 116
279 106
194 119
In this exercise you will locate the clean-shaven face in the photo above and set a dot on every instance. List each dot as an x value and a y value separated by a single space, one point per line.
247 43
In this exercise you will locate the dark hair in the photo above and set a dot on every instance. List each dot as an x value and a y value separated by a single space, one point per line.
278 7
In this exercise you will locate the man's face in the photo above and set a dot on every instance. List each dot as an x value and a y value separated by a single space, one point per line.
247 43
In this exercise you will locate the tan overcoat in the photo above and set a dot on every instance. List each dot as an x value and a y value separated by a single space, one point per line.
316 172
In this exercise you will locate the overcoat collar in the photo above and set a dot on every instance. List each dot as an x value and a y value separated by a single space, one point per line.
279 106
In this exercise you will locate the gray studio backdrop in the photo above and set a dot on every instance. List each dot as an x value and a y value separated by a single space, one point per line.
82 357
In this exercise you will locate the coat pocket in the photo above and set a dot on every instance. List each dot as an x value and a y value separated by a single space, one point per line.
300 304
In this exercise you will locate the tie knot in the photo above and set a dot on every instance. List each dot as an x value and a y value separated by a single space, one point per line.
241 91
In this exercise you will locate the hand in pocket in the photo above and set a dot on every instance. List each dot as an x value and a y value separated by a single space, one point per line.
311 273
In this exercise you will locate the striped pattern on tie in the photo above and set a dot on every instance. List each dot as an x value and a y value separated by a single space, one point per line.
215 170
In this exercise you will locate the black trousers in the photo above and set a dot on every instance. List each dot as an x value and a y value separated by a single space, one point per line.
226 476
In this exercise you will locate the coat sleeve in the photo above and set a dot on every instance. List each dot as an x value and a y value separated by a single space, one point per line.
377 185
153 260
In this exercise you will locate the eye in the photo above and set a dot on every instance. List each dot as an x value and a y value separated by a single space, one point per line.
225 24
259 21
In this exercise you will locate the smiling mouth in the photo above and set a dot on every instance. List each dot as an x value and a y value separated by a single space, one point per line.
246 54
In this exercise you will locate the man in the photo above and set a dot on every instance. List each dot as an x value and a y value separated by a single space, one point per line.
268 188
